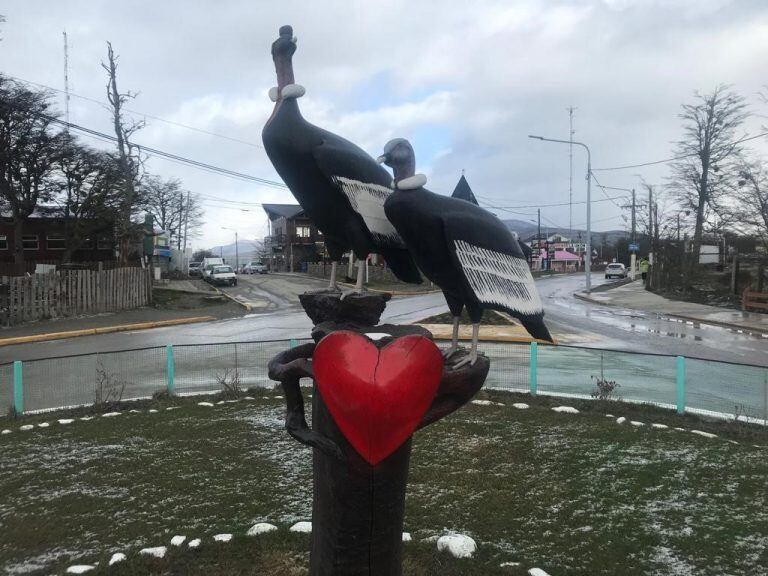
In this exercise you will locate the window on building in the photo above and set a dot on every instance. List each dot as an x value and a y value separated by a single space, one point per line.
3 243
29 242
302 231
103 243
55 242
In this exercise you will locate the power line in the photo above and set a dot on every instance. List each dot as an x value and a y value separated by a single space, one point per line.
555 204
674 158
168 155
144 114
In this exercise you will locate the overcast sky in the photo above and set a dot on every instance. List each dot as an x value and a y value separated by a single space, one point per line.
466 82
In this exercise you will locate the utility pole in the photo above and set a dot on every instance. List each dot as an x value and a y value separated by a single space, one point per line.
570 169
538 236
66 80
237 254
633 253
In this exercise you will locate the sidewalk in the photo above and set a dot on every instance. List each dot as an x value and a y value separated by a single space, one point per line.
636 297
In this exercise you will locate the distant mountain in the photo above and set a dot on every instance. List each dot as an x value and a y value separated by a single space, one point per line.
526 230
246 248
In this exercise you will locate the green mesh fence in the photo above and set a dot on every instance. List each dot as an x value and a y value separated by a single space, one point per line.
715 388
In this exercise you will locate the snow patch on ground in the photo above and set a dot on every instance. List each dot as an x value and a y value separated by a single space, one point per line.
704 434
521 405
157 551
172 408
86 418
116 557
6 431
152 411
537 572
620 420
194 543
509 564
178 540
210 404
458 545
303 526
486 403
65 421
660 426
260 528
407 537
80 569
43 425
610 416
565 409
222 537
111 414
636 423
26 427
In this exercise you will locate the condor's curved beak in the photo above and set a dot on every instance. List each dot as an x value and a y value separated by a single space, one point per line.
383 158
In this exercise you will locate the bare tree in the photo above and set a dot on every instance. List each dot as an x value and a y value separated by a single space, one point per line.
708 156
750 206
173 209
128 157
28 150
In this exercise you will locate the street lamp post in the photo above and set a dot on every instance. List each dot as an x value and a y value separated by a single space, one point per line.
237 250
588 259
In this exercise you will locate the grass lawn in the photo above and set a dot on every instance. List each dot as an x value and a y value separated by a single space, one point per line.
569 493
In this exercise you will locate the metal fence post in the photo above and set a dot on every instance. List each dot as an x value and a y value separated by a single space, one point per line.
294 342
680 385
18 387
534 368
171 368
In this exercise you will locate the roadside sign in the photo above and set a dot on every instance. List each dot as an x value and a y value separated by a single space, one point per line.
634 247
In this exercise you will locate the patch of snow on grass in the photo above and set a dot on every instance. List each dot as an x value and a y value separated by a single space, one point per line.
407 537
178 540
660 426
117 557
111 414
26 427
620 420
6 431
303 526
458 545
80 569
521 405
509 564
157 551
152 411
194 543
537 572
222 537
210 404
260 528
565 409
610 416
86 418
248 398
172 408
704 434
486 403
43 425
65 421
636 423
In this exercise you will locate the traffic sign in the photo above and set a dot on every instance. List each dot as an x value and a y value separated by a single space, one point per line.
634 247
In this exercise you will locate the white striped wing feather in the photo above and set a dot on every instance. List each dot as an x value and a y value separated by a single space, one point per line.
498 278
368 200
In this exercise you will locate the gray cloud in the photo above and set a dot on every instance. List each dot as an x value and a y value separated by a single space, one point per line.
467 81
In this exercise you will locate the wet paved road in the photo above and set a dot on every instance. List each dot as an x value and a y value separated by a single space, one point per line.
574 322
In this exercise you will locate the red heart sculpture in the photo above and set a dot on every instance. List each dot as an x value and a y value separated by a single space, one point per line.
377 397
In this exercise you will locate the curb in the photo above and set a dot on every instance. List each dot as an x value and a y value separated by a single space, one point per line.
104 330
483 337
247 307
755 329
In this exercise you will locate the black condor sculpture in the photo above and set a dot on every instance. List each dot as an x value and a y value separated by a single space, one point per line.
340 187
468 252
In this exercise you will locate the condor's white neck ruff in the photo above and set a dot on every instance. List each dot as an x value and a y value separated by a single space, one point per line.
289 91
411 183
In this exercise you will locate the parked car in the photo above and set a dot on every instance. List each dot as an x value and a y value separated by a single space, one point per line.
615 270
254 268
223 275
195 269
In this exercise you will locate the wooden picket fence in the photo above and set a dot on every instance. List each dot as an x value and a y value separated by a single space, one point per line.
73 292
